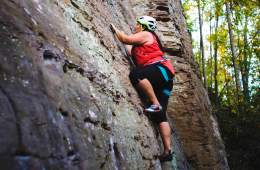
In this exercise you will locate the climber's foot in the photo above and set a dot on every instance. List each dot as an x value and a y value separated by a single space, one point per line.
166 156
153 108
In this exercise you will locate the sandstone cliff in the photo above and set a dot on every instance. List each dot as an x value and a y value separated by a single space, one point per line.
65 98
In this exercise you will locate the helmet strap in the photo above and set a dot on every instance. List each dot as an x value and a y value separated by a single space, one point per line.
142 27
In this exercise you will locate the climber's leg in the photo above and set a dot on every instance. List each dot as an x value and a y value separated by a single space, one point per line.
165 132
147 88
164 127
156 80
146 79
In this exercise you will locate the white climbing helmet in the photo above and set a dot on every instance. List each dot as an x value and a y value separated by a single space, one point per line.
148 21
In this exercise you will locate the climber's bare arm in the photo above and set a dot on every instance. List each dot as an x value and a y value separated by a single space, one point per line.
134 39
129 49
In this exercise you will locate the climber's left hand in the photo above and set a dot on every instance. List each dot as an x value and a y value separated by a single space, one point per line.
113 28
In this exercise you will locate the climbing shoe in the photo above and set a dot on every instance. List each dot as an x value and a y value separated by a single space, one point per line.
166 157
153 108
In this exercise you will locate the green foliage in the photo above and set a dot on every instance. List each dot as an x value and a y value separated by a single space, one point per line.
241 133
238 115
187 7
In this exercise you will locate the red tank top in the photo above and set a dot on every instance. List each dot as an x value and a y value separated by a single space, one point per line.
148 54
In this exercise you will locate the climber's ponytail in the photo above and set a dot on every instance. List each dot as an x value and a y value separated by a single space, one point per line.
144 28
158 41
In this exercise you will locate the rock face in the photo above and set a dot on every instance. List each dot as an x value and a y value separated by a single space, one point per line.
65 98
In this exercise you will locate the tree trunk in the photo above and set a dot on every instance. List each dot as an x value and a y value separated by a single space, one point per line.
211 57
246 63
216 59
202 46
233 52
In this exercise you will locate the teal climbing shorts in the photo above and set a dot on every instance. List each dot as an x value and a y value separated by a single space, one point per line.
161 79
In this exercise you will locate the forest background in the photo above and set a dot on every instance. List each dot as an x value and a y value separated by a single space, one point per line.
226 38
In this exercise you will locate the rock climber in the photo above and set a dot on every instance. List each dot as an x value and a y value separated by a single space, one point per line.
153 74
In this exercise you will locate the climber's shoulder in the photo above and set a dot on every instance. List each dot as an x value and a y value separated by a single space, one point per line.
140 38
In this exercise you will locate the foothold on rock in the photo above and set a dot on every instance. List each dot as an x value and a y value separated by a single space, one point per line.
88 119
63 113
113 113
105 126
69 65
73 157
118 154
48 55
70 153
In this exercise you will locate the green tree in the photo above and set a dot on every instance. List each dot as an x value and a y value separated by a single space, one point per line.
233 71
